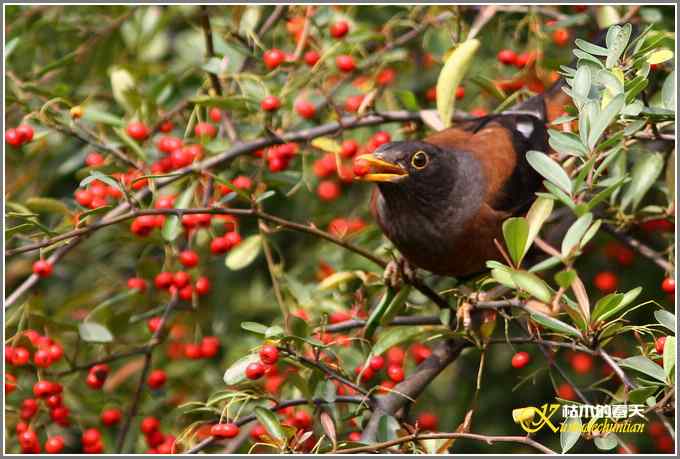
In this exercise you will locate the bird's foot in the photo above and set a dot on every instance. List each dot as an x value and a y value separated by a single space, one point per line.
397 272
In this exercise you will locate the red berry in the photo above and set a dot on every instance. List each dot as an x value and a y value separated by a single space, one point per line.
138 130
659 344
28 439
427 421
420 352
205 130
12 137
560 36
215 114
25 132
366 373
42 389
339 29
136 283
83 197
219 245
186 293
188 258
377 362
668 285
507 57
520 359
156 379
155 438
269 354
94 159
163 280
20 356
111 416
224 430
386 76
93 381
524 59
305 109
328 190
166 126
60 415
311 58
395 373
302 420
210 346
606 281
55 351
478 112
181 279
143 225
582 363
42 358
167 144
349 148
460 92
149 425
273 58
345 63
10 383
566 392
361 167
42 268
233 238
100 370
381 138
255 370
154 324
54 445
192 351
202 285
352 103
270 104
395 356
91 436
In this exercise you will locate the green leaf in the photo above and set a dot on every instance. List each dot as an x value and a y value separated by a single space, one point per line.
396 306
644 365
235 103
565 278
271 423
575 234
172 226
554 324
93 332
548 263
668 91
533 285
566 143
23 227
591 48
245 253
47 205
604 119
617 43
557 193
645 172
254 327
98 116
606 304
571 433
550 169
669 356
665 318
628 298
394 337
237 372
582 83
451 75
96 175
127 140
408 100
516 234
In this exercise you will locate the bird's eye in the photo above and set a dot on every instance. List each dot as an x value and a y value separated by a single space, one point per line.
420 159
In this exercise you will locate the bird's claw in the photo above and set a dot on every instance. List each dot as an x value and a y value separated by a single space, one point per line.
398 271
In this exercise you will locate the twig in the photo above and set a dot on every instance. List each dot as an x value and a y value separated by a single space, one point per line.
489 439
272 19
404 320
108 359
273 275
617 369
153 342
209 47
280 406
641 248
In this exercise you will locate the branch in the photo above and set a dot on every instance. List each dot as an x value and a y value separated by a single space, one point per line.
280 406
641 248
409 389
272 19
489 439
617 369
403 320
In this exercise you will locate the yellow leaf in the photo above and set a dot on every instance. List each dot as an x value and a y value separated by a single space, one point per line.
326 144
662 55
450 77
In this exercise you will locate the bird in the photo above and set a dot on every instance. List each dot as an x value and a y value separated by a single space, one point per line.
442 200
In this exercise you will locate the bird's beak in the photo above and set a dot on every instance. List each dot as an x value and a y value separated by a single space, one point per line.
381 170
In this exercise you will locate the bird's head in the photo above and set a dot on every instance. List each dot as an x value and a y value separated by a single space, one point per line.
412 167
